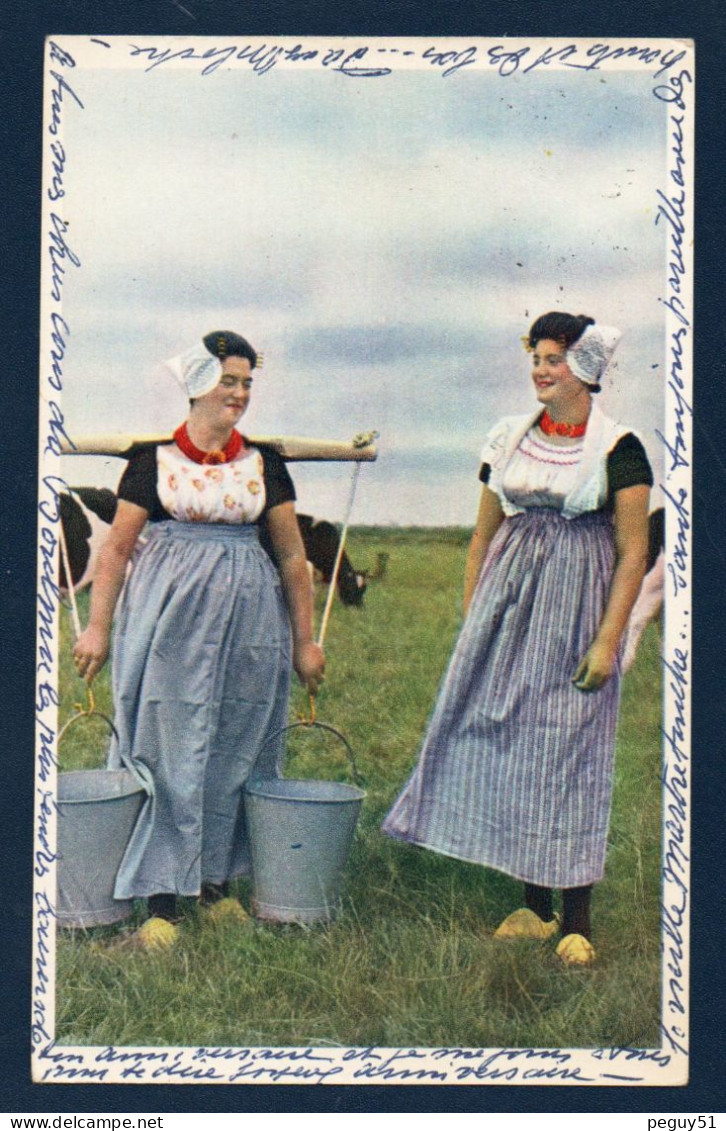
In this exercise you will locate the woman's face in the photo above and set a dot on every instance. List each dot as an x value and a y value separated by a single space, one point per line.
228 400
555 383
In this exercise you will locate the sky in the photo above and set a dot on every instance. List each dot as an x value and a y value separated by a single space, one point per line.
385 243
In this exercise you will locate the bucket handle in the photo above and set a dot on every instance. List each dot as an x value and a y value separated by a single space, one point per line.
88 712
143 779
331 730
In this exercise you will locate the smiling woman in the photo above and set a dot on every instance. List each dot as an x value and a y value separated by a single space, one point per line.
206 632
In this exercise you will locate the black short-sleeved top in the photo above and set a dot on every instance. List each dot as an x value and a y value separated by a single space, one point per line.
141 483
627 466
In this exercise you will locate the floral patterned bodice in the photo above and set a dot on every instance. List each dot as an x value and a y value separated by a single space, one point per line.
230 492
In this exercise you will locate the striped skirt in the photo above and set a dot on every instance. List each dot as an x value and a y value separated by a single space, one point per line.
516 767
200 678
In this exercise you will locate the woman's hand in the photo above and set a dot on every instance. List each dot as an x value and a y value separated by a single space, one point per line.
309 663
595 668
631 551
91 652
308 658
92 646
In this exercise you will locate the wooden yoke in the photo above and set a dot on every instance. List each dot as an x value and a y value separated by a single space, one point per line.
122 445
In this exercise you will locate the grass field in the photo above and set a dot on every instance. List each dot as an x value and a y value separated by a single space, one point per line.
410 959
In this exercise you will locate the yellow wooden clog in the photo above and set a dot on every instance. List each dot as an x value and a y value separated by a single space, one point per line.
525 924
155 934
227 910
576 950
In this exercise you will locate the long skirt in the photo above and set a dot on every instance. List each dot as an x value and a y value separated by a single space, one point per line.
516 767
201 673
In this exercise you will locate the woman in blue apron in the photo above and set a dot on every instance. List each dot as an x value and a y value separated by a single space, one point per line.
516 767
206 632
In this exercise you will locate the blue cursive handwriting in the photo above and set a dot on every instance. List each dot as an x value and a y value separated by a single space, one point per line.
264 57
360 62
673 211
44 854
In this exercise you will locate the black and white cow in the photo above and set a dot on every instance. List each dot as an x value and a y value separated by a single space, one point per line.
87 512
321 540
85 517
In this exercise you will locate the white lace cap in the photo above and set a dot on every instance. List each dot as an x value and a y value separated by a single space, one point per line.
590 355
196 370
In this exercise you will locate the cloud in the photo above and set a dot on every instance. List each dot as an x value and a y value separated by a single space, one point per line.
384 244
378 344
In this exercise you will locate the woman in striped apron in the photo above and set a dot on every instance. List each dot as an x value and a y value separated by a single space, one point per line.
206 633
516 767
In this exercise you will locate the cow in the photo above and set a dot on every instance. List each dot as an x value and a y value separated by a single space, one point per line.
321 540
86 513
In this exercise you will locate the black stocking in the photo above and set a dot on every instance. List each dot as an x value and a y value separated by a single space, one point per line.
576 911
163 906
539 900
212 893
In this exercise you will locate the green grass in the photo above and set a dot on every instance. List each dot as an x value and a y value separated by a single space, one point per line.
410 959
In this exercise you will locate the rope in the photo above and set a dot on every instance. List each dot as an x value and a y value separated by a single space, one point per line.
360 441
90 708
334 578
339 555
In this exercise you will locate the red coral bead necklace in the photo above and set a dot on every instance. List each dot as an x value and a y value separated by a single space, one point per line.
552 427
229 452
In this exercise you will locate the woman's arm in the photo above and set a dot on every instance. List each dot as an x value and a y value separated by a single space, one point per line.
631 550
307 657
488 521
91 649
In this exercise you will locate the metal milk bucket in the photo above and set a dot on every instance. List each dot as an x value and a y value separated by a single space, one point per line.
97 811
300 834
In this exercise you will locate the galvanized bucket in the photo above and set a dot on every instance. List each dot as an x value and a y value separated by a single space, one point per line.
300 834
97 811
